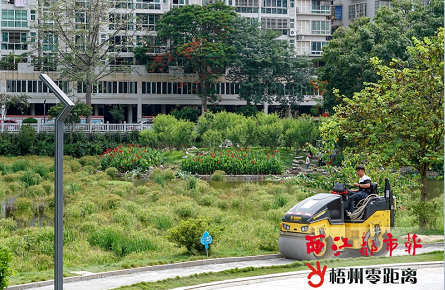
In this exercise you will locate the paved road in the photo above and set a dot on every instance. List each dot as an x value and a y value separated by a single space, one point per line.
428 278
147 276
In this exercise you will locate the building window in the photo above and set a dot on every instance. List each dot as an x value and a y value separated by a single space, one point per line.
380 4
120 21
320 9
50 42
120 43
351 11
147 21
125 4
14 41
316 47
304 26
274 7
179 3
303 47
31 86
14 18
149 4
360 10
247 6
321 27
357 10
104 87
280 24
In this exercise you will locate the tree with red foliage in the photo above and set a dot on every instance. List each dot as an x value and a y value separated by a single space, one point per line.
198 38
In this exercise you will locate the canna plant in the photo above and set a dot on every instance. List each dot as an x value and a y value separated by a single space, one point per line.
240 161
130 157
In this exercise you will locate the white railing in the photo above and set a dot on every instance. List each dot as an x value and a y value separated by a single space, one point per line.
86 128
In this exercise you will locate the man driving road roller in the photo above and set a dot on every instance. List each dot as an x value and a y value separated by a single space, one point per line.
364 188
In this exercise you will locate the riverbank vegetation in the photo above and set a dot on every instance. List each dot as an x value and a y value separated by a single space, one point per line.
113 224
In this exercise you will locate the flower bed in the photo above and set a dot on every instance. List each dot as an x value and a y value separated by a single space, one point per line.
129 157
239 161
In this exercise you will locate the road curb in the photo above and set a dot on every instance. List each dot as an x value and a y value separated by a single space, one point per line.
147 268
296 274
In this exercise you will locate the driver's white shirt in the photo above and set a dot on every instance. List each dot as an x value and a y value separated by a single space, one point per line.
363 178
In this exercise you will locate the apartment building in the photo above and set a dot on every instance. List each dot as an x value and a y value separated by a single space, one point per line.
345 11
306 24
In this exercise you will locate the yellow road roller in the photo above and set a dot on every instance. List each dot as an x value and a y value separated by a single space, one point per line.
319 227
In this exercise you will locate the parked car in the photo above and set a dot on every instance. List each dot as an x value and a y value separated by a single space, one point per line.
12 124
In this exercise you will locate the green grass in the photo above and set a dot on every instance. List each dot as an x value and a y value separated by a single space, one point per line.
171 158
248 216
208 277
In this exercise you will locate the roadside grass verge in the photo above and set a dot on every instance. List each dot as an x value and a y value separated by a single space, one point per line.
208 277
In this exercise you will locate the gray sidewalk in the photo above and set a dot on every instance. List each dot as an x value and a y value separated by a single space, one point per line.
430 275
114 279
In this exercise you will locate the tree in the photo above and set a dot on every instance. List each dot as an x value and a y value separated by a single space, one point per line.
80 110
399 118
197 38
82 40
117 113
266 68
347 55
20 101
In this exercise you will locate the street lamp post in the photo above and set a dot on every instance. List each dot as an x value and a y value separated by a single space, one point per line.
44 111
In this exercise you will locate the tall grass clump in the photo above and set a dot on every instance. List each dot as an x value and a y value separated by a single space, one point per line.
30 178
5 169
120 242
20 165
41 169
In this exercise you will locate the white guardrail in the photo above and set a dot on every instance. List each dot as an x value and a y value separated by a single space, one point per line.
86 128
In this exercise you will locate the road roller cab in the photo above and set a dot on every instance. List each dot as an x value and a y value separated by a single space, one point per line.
322 217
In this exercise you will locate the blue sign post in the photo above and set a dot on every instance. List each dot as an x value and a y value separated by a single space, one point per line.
206 240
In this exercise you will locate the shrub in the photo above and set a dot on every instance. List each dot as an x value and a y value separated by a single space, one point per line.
247 110
5 269
149 138
9 224
188 234
35 190
271 134
207 200
218 175
186 209
212 138
30 120
169 174
74 165
111 171
184 134
430 211
190 182
90 160
26 138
